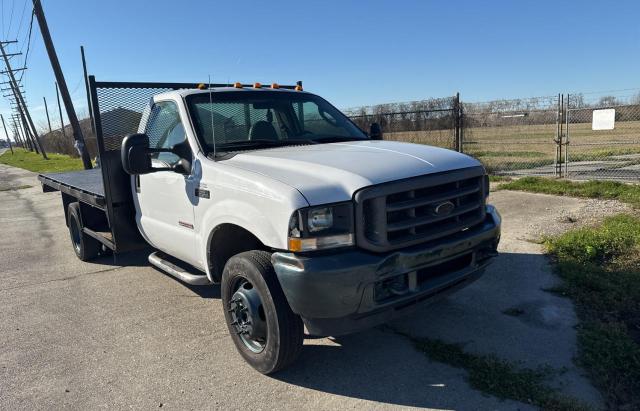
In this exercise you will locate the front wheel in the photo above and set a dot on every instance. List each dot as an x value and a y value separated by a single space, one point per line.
265 331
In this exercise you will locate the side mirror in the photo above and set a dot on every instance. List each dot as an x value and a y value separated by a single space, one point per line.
135 154
375 131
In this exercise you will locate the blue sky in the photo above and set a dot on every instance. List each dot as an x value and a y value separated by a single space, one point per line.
351 52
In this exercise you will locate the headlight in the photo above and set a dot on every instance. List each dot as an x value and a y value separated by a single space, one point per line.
320 219
323 227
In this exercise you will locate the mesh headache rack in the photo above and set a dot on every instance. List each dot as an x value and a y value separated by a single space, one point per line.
116 108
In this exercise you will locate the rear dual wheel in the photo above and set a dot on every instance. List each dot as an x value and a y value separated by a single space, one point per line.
265 331
86 247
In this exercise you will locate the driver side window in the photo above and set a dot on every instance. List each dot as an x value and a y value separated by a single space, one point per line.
318 122
165 129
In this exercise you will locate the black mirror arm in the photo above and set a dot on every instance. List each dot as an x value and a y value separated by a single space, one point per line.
179 167
154 169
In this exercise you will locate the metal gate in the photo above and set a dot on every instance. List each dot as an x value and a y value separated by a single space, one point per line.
514 137
602 140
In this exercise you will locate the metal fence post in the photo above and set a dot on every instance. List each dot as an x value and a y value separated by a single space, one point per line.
566 140
456 122
461 116
557 159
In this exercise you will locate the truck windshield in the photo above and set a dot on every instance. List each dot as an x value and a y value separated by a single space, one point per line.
246 120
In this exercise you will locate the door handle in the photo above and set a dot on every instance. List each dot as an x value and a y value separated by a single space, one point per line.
202 193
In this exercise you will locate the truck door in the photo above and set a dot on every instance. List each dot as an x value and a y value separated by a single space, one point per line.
166 198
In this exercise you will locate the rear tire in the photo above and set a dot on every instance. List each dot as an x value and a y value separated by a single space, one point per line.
86 247
268 335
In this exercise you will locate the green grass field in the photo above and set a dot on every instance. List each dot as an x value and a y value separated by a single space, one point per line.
600 267
34 162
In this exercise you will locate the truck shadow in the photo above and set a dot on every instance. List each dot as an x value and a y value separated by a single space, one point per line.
383 365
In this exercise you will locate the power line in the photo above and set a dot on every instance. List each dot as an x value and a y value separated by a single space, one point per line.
24 8
26 55
10 19
76 87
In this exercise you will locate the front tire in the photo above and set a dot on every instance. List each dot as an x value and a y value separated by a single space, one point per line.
265 331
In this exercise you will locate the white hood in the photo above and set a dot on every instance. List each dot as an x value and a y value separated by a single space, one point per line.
327 173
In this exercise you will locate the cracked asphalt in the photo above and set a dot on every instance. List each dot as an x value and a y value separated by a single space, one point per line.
118 333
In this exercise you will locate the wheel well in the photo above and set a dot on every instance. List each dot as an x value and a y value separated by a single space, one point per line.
225 241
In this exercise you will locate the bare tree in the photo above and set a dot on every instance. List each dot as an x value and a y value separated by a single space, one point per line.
608 101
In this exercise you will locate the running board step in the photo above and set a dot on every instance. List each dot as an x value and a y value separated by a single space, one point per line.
158 260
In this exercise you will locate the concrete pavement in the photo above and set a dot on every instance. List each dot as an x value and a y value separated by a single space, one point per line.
118 333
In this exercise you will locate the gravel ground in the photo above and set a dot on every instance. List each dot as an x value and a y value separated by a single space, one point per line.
583 212
586 212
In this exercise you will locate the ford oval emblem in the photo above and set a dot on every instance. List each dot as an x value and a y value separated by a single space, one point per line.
444 209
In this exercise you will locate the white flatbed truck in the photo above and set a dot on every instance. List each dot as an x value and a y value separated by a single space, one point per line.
304 220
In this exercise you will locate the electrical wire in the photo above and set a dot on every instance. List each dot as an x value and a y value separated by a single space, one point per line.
10 19
26 55
24 8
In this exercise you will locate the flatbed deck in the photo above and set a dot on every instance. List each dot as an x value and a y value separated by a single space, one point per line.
85 185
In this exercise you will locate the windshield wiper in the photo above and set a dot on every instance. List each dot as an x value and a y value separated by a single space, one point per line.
334 139
244 144
264 143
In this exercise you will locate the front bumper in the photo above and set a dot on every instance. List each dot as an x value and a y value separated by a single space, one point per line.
347 291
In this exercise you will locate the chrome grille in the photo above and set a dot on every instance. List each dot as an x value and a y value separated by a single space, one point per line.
421 209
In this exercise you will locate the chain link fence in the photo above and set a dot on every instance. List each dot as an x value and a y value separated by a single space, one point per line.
577 136
602 139
513 137
434 122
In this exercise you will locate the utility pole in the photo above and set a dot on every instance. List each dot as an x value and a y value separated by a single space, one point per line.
86 86
46 110
16 125
20 100
25 129
16 137
25 144
66 98
28 132
5 133
64 133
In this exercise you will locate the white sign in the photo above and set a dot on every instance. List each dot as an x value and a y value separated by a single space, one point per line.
604 119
